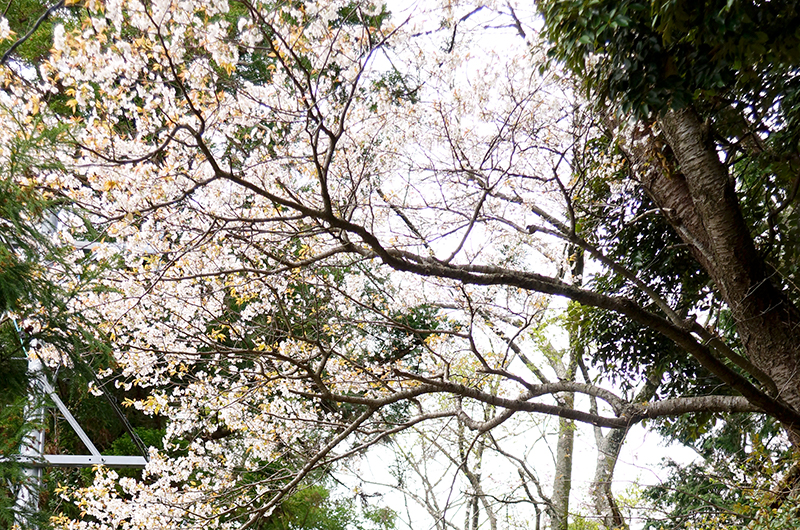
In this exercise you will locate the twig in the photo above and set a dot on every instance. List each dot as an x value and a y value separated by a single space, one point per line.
28 35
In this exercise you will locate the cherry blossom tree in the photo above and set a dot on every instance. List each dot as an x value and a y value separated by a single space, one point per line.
323 223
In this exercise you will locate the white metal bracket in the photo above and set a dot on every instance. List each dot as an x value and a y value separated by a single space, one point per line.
95 458
31 452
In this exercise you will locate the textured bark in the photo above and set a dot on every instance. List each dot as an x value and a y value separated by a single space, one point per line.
677 406
608 449
766 320
681 170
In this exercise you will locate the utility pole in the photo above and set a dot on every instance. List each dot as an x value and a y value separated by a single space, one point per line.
32 448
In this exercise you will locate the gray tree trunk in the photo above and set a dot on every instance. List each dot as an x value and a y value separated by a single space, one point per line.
608 449
562 481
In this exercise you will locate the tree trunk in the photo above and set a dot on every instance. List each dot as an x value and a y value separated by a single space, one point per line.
766 320
608 449
688 181
562 482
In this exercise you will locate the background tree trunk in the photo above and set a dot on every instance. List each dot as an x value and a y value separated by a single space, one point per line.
562 481
608 449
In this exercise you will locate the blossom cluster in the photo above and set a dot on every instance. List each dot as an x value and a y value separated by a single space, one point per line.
249 168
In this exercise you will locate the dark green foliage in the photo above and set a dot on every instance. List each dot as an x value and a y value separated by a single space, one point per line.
20 242
623 222
404 337
740 457
15 276
13 365
656 56
735 62
355 14
398 86
11 434
628 354
22 16
25 217
124 444
768 190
